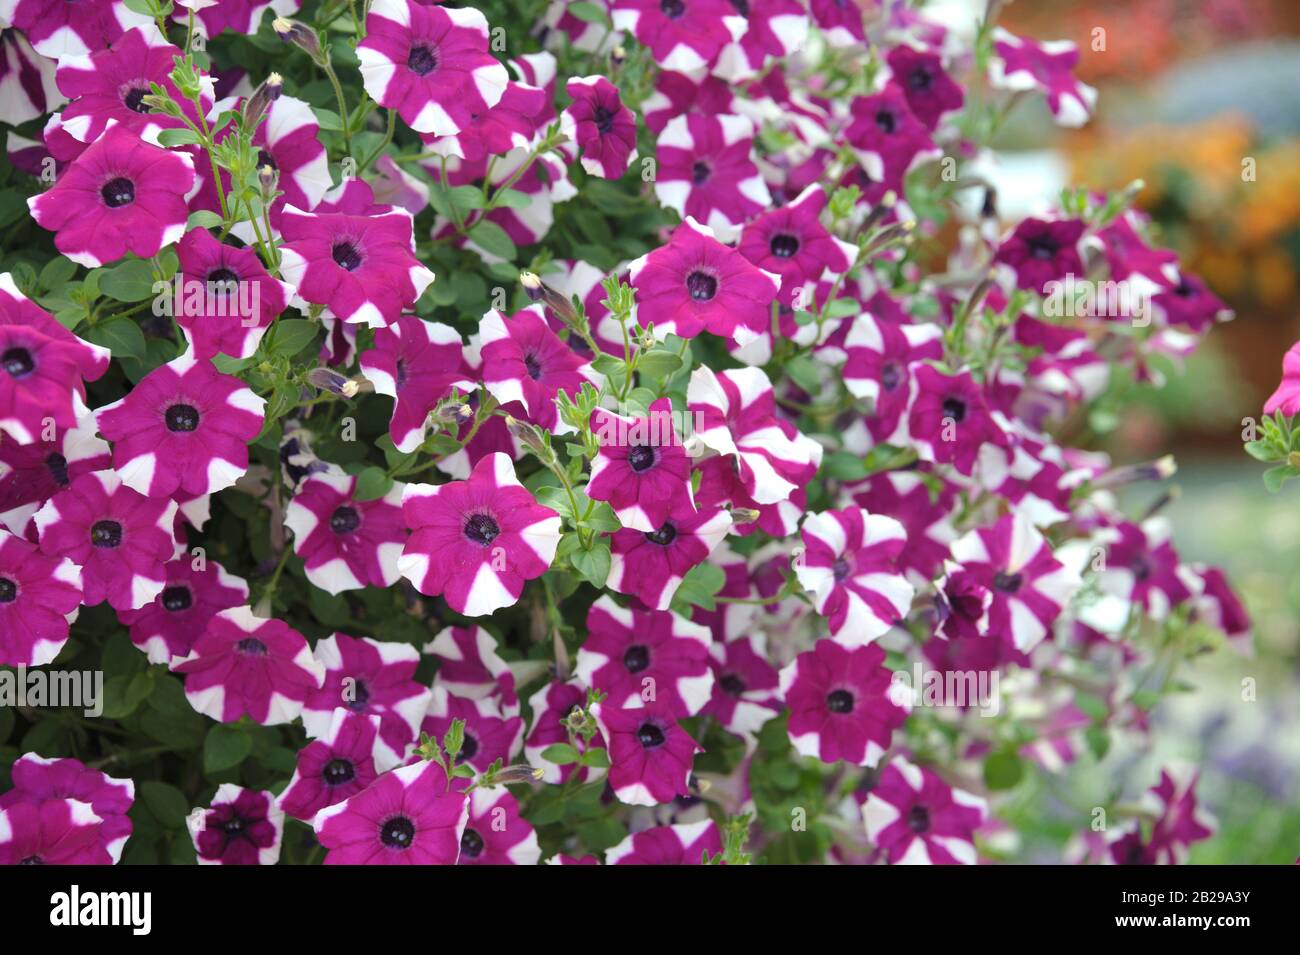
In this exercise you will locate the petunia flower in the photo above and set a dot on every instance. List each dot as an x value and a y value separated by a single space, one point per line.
27 85
524 361
121 195
849 566
888 138
676 93
685 844
651 565
469 665
695 283
121 540
551 706
840 703
949 420
904 496
650 755
240 827
840 22
30 474
792 242
1181 299
1042 251
878 364
706 171
929 90
476 542
184 428
430 63
1142 567
406 817
642 468
214 17
43 367
335 767
193 594
601 126
344 543
1019 64
360 267
640 657
369 678
57 28
1029 586
915 818
288 141
746 687
1220 606
774 29
489 733
496 833
511 124
37 780
735 415
682 35
227 298
244 665
1179 819
52 832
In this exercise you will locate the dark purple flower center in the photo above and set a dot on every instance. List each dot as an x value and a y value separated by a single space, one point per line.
641 457
700 172
1007 583
338 771
603 118
18 362
468 749
649 735
742 7
482 528
32 860
920 78
732 684
118 192
918 819
890 376
841 568
134 99
672 9
422 60
1184 289
637 658
8 591
106 534
345 519
702 286
471 844
839 701
177 598
954 408
182 418
264 158
886 121
784 245
397 833
533 366
234 828
1043 247
251 646
360 697
664 536
1141 566
57 465
346 255
223 280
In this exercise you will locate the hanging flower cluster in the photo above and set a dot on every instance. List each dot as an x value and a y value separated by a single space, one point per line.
473 441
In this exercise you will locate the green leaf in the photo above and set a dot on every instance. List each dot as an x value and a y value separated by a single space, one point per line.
700 585
596 759
658 363
204 219
561 754
131 281
846 466
290 336
587 12
226 746
124 694
178 137
805 373
121 336
372 484
1274 478
57 273
511 199
492 239
327 119
166 802
464 199
593 564
1003 770
557 499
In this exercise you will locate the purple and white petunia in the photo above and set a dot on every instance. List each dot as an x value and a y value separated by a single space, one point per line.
213 17
38 594
840 703
345 543
369 678
746 687
469 665
490 734
849 565
792 242
476 542
1042 251
495 833
929 90
335 767
510 124
1021 64
38 780
640 657
949 420
1029 586
642 468
1142 567
362 268
603 128
431 64
121 195
650 754
244 665
121 540
774 29
685 844
878 365
651 565
682 35
406 817
240 827
183 429
195 591
915 818
57 28
52 832
706 171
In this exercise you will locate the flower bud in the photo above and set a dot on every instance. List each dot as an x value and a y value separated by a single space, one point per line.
299 34
266 94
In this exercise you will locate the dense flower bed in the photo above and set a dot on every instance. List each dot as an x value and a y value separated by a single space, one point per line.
568 432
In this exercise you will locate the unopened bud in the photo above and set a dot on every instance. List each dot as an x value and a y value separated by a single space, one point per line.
539 291
261 100
518 773
744 515
299 34
617 56
328 380
453 411
268 178
529 435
